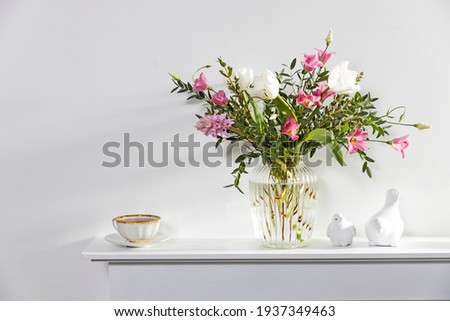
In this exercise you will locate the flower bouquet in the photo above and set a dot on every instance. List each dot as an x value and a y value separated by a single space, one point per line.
283 117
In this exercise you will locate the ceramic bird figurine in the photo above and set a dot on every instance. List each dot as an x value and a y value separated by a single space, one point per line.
340 231
386 227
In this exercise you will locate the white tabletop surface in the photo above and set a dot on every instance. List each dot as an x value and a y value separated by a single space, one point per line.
179 249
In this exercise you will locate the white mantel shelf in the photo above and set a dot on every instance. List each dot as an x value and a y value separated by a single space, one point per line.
248 250
226 269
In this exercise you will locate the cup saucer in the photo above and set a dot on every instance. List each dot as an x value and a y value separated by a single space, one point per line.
116 239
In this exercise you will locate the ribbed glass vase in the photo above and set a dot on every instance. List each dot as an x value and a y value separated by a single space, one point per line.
282 204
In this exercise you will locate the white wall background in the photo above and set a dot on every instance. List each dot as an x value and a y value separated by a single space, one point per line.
77 74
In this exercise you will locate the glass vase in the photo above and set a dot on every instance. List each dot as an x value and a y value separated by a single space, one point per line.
282 204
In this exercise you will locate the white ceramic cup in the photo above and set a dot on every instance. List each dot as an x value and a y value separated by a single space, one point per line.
137 228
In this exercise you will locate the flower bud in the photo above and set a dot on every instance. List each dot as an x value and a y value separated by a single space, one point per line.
329 38
174 77
421 126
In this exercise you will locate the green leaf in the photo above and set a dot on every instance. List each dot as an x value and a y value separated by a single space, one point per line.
284 107
344 129
326 138
219 141
369 172
337 152
294 61
310 118
221 62
364 167
238 188
320 135
240 158
273 153
259 119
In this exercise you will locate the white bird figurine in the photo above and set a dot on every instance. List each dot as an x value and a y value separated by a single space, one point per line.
386 227
340 231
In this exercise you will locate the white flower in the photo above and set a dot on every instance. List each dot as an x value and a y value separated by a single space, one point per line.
245 77
341 80
266 85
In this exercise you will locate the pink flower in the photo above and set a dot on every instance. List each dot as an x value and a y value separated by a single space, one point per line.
291 129
400 144
321 93
324 56
305 100
357 141
201 83
214 125
220 99
311 62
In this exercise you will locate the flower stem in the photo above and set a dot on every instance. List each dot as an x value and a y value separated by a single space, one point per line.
401 124
378 141
201 68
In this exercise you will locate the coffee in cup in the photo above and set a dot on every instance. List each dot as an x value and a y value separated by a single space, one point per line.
137 228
